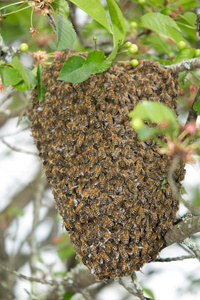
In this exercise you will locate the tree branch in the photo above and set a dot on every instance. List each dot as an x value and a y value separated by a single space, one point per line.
187 227
192 116
185 65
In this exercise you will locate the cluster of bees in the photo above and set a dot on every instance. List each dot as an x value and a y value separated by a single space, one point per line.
110 188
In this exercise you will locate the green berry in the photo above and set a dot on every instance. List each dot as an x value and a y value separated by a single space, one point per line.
181 45
134 25
137 123
94 38
128 44
134 62
141 2
133 48
197 52
23 47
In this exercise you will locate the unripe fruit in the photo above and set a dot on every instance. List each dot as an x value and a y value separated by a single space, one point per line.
181 45
23 47
128 44
141 2
134 62
94 38
137 123
197 52
133 48
134 25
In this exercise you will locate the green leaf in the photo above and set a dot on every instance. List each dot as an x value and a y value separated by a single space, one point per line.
182 76
65 33
94 9
155 3
66 252
31 74
40 85
184 55
15 211
156 113
68 295
21 86
118 23
77 69
190 18
196 107
62 7
9 76
149 292
163 25
158 42
19 67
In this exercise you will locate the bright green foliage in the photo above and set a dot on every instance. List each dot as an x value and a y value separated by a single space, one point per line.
61 7
78 69
163 25
156 113
9 76
94 9
184 55
118 24
196 107
19 67
65 33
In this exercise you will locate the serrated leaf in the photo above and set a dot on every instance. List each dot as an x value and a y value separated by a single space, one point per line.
31 74
184 55
94 9
62 7
9 76
118 23
162 24
190 18
158 42
65 33
196 107
156 113
77 69
19 67
40 85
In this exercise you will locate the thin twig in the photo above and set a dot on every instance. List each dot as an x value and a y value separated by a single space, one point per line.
185 65
74 23
52 22
33 279
169 259
33 241
192 116
129 289
138 287
17 149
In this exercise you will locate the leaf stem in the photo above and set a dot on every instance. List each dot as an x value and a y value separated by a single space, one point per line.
11 5
16 11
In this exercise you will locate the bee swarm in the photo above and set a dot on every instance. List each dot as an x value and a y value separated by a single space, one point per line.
110 188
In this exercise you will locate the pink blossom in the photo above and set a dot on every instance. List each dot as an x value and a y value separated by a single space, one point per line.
191 128
192 88
57 53
190 100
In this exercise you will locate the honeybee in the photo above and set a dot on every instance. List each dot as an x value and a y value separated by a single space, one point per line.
126 237
96 212
83 218
115 139
78 227
101 153
103 199
97 137
101 182
105 257
79 208
137 236
110 209
118 200
107 222
123 252
107 236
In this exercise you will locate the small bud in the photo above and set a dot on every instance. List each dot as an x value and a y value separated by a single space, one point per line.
192 88
95 38
190 100
191 128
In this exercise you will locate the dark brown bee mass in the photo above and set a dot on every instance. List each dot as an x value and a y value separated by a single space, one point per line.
110 188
